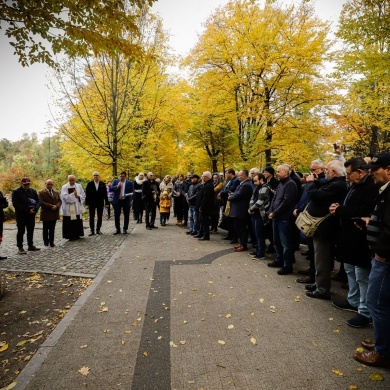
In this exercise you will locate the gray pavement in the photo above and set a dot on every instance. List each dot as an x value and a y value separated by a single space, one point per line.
170 312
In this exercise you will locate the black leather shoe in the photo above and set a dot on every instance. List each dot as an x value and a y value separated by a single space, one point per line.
99 232
311 287
117 232
204 239
194 233
91 234
52 245
124 231
153 227
316 294
189 232
148 228
275 264
285 271
3 257
198 236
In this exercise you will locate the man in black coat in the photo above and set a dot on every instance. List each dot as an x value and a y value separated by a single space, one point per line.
239 204
206 206
26 204
3 205
352 247
322 195
150 192
95 200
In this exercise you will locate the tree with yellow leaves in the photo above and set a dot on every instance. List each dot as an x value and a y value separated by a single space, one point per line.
269 61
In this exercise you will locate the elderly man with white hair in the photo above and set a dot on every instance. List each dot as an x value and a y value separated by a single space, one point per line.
322 195
72 196
95 200
281 214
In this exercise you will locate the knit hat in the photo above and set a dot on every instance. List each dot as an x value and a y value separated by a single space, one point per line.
270 170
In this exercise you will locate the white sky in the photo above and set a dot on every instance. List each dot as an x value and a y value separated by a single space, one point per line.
25 99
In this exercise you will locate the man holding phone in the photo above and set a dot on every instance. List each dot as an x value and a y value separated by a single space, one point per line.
352 247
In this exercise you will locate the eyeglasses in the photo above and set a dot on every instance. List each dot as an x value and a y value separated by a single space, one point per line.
313 169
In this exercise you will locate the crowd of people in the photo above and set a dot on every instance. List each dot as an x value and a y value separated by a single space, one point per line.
351 198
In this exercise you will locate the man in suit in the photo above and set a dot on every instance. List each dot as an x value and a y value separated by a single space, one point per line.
150 192
123 191
239 205
95 200
3 205
50 211
26 203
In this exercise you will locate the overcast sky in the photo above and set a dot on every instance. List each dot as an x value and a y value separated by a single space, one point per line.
25 98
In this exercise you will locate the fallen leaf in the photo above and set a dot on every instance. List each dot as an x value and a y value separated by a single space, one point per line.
106 330
182 342
127 331
360 369
172 344
104 310
135 323
83 346
10 386
352 387
186 322
84 371
331 319
298 298
336 331
102 303
139 319
146 354
376 376
221 342
228 315
123 342
253 313
261 300
230 326
253 341
211 282
27 358
3 346
360 349
159 337
23 312
337 372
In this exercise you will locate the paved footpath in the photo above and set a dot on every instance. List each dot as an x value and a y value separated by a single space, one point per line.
170 312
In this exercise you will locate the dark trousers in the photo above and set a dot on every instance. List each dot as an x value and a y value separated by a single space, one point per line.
205 225
25 223
125 205
241 231
99 211
186 208
48 229
150 214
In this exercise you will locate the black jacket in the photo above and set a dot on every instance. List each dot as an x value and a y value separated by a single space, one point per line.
284 200
239 201
96 198
321 197
23 201
352 247
207 198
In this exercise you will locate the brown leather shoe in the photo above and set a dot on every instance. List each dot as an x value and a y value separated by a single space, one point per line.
307 280
371 358
368 345
241 249
237 246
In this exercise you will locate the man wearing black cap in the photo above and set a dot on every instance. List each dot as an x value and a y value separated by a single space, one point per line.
378 293
26 204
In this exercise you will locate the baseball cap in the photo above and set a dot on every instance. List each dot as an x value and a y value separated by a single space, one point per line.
380 161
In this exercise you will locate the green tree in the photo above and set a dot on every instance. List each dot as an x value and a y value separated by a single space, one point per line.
39 29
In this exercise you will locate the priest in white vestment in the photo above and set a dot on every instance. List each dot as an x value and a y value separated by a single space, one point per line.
72 196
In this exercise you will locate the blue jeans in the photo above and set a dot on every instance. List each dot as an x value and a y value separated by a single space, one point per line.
258 230
358 285
284 242
378 303
193 220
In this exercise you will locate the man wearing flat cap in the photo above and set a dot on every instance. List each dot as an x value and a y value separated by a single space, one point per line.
26 204
377 354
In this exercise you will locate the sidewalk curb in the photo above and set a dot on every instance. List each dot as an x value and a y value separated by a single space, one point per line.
45 349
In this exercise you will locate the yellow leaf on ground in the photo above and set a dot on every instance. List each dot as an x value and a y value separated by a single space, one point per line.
182 342
83 346
4 346
337 372
336 331
127 331
376 376
20 343
352 387
298 298
123 342
146 354
261 300
23 312
230 326
360 349
172 344
221 342
228 315
253 341
84 371
27 358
